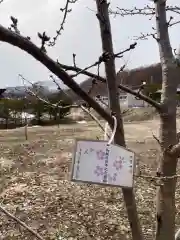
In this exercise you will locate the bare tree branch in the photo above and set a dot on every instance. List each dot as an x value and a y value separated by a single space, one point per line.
145 36
32 93
27 46
120 86
147 11
174 23
65 10
57 105
103 58
81 106
35 234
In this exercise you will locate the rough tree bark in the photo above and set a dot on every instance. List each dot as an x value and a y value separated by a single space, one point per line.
165 229
107 47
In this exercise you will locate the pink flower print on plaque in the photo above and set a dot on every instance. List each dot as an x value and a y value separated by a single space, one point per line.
131 160
112 178
100 155
130 169
118 164
86 151
99 171
91 150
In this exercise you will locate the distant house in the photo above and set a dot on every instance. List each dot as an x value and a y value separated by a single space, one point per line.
178 94
126 100
178 90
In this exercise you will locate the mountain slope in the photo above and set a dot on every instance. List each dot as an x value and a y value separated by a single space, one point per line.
132 78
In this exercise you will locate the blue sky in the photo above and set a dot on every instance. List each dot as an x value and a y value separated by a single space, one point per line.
81 36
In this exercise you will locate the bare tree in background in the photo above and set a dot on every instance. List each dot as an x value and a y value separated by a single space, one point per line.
170 149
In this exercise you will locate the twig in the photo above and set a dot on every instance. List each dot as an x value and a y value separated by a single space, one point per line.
147 11
14 25
157 140
66 10
2 209
81 106
147 99
174 23
132 46
103 58
41 99
74 59
44 38
26 45
144 36
56 106
93 117
85 69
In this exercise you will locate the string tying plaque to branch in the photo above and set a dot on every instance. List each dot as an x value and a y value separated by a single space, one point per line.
113 131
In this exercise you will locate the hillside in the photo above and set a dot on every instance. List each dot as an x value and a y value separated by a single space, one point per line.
132 78
47 88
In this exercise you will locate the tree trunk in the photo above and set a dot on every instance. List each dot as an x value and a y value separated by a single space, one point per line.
107 46
165 211
165 214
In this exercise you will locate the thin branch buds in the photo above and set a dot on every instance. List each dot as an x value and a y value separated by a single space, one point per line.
14 24
44 38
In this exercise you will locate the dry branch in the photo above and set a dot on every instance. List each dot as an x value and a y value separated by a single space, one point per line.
21 223
27 46
141 96
103 58
65 10
147 11
36 95
57 105
81 106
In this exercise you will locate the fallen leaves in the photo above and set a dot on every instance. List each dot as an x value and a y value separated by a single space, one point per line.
37 190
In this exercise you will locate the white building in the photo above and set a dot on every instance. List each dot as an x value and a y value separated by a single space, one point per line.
126 100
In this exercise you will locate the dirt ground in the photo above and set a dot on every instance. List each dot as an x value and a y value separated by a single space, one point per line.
35 187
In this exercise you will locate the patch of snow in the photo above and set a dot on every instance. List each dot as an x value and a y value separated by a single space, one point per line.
81 122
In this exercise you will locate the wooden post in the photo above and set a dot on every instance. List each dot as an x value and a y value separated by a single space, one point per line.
26 129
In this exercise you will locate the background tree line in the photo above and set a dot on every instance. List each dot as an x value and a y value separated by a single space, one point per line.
15 109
